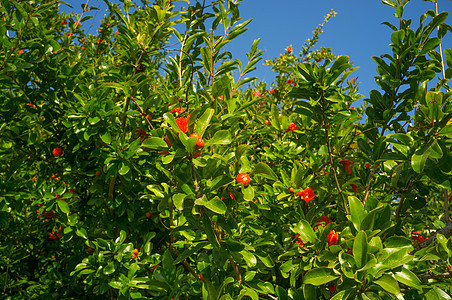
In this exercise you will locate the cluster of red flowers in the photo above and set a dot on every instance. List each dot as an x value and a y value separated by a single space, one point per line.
297 240
141 134
55 235
272 91
307 194
177 110
257 94
291 82
354 188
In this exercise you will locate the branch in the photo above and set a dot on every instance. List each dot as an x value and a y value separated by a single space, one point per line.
446 231
430 275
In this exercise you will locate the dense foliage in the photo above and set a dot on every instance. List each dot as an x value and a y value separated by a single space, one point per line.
135 167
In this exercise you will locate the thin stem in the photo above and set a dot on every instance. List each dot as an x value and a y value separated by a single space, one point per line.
399 208
440 45
330 155
236 268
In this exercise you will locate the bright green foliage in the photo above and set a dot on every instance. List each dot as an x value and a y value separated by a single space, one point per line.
341 200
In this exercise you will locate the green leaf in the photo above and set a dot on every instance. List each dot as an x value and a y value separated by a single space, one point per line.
105 136
360 249
156 143
446 131
211 236
109 269
389 284
357 212
64 207
249 258
221 137
121 238
264 170
81 232
319 276
178 200
204 121
437 294
187 253
408 278
304 229
124 169
390 3
169 268
216 205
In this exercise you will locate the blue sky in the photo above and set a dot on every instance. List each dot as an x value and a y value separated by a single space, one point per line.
355 31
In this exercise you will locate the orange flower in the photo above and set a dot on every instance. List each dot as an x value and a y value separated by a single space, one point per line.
20 52
307 194
332 238
289 49
182 122
346 164
272 91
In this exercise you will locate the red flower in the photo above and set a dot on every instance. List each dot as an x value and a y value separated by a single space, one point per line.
99 41
76 24
182 122
307 194
291 82
367 165
69 34
272 91
332 288
64 22
55 235
354 188
417 237
201 277
20 52
323 221
346 164
289 49
292 127
332 238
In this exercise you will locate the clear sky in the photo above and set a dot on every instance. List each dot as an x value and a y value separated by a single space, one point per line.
355 31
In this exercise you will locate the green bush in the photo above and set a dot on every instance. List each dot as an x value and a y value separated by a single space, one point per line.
286 191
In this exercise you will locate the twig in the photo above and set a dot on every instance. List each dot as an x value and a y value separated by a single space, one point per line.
184 262
446 231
